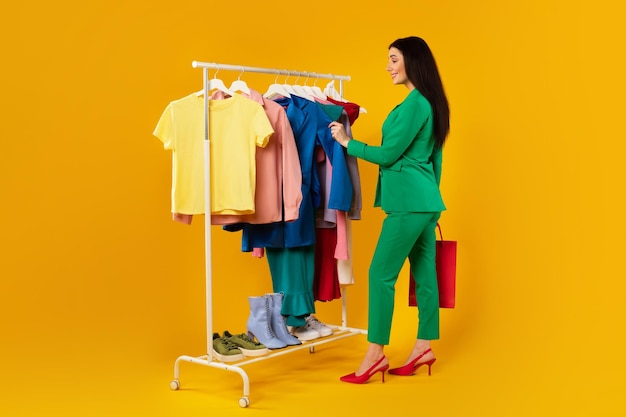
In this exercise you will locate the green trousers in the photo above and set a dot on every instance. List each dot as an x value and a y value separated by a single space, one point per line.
412 236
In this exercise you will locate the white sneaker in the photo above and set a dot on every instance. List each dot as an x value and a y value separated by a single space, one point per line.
305 333
321 328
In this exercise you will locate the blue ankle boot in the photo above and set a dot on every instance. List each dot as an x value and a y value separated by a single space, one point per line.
279 324
259 323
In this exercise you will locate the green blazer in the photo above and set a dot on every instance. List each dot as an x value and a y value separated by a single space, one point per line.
409 170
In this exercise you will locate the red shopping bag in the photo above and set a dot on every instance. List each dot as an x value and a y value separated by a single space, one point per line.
446 273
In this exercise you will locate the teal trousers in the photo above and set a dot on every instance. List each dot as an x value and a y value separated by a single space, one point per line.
293 272
412 236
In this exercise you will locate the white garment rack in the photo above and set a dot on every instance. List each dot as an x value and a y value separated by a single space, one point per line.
339 332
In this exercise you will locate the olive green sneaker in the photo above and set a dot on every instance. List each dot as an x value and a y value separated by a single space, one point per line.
225 350
246 344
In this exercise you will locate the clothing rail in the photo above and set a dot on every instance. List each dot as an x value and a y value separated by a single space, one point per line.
212 65
230 67
340 332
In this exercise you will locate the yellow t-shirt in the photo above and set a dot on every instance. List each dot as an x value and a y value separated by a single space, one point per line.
236 126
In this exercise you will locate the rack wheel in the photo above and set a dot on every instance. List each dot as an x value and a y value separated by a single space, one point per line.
174 385
244 402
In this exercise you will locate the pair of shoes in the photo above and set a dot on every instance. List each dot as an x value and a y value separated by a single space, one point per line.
321 328
363 378
225 350
412 367
266 323
247 345
313 329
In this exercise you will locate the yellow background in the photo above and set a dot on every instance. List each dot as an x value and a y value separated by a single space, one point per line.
100 291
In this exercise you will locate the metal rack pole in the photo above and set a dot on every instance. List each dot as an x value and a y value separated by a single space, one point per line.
213 65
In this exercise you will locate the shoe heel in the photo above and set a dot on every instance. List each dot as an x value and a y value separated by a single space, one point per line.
430 363
383 370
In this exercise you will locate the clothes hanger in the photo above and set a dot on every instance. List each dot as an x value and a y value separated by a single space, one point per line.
300 92
288 87
314 90
276 89
216 84
240 85
331 92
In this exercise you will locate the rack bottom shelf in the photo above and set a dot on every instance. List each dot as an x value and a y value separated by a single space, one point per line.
339 332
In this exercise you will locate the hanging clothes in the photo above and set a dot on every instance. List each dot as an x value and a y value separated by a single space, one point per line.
300 171
310 126
237 126
333 262
278 191
309 123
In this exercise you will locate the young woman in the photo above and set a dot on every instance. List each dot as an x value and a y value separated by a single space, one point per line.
409 159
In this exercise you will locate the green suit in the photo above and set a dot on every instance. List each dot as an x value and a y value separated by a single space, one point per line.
408 191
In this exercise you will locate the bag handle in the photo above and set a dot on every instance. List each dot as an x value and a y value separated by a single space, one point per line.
440 234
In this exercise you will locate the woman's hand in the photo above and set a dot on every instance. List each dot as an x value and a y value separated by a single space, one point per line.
339 133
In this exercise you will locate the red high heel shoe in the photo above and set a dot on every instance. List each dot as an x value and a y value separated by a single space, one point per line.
363 378
412 367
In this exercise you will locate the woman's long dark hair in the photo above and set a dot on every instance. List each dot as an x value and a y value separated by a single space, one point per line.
422 71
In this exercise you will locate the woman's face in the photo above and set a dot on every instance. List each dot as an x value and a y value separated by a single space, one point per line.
396 69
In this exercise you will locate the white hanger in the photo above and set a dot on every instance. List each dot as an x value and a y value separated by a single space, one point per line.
331 92
216 84
288 87
299 91
314 90
240 85
276 89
